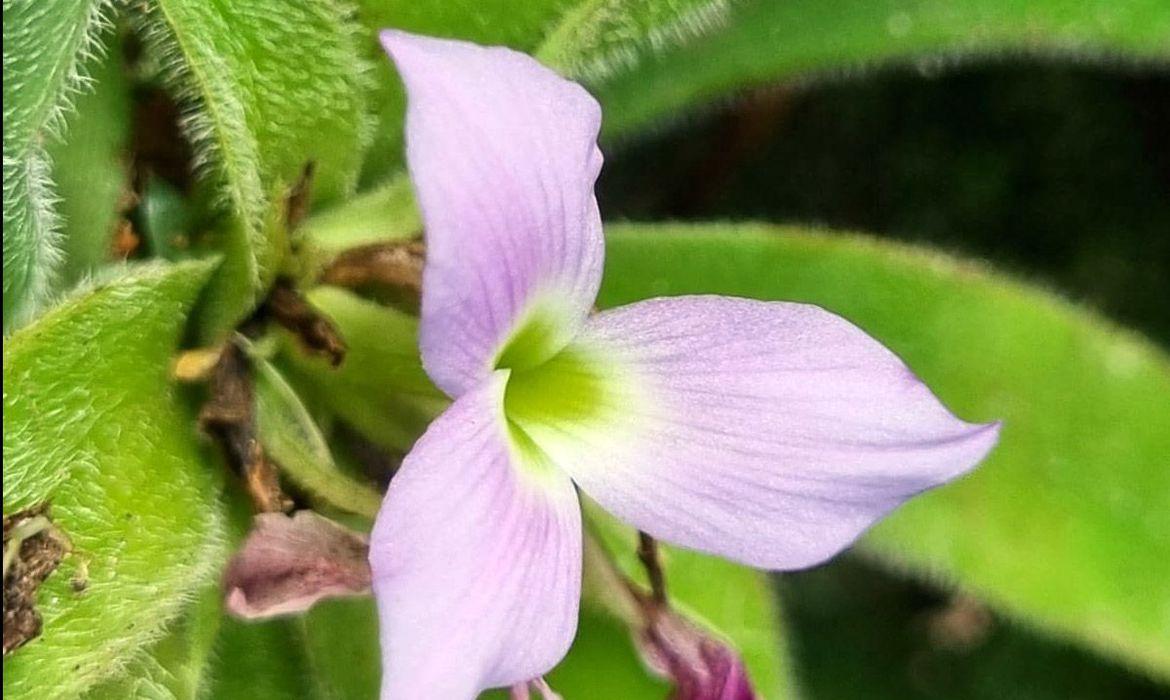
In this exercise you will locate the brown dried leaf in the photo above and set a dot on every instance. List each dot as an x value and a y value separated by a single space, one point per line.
229 417
390 272
317 334
32 550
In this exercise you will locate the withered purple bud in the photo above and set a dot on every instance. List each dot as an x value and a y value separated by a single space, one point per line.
701 667
289 563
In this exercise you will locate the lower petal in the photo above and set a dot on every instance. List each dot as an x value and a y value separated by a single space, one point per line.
476 558
770 433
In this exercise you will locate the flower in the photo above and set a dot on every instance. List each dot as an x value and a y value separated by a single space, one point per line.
770 433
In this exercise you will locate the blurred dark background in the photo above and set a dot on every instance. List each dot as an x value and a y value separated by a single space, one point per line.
1060 175
1055 174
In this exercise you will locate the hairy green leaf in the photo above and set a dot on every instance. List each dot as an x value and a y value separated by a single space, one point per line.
89 167
600 37
45 46
733 600
380 388
267 87
173 668
767 41
93 427
290 436
1067 524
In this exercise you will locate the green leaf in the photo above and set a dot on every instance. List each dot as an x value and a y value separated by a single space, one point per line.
89 167
734 600
45 45
173 668
329 653
341 637
261 660
602 663
380 388
269 87
165 220
1067 525
290 436
767 41
93 427
386 213
600 37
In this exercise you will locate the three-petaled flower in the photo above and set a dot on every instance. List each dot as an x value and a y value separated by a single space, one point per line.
770 433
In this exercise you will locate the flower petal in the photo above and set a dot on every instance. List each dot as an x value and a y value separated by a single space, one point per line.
503 155
770 433
476 557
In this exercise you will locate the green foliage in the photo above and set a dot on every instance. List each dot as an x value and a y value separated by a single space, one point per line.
767 41
173 668
385 213
1065 525
45 46
290 436
734 600
602 663
92 426
165 220
341 637
600 37
89 167
268 87
380 388
261 660
330 653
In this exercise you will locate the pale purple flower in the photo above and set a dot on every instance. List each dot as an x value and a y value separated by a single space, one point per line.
771 433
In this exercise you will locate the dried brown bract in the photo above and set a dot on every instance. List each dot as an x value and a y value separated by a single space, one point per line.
33 549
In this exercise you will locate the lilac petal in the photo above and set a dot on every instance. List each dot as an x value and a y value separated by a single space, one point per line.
476 557
503 156
287 564
770 433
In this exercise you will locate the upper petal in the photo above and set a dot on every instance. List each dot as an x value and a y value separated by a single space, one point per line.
770 433
476 558
503 155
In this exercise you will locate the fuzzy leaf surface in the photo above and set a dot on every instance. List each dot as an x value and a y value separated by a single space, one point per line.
94 427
